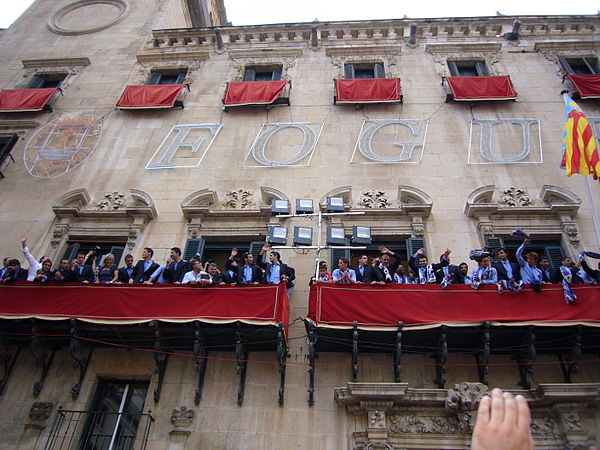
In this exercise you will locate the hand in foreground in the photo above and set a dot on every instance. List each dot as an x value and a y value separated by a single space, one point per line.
503 423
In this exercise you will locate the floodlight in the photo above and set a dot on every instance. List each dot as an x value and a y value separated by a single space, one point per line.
361 235
335 204
277 235
336 236
304 206
280 207
303 235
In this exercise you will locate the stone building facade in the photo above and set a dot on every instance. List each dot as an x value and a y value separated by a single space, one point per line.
457 174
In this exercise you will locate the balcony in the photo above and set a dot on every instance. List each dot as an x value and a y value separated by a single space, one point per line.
163 318
256 93
584 86
28 100
479 88
426 319
153 96
367 90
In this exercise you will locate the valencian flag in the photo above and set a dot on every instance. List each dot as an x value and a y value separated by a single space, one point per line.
580 152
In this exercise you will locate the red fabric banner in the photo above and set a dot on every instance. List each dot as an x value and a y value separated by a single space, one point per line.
19 100
150 96
587 86
481 88
253 92
123 304
367 90
427 306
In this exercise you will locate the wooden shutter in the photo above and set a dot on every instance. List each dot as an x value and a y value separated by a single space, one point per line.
481 69
349 72
554 254
565 65
193 247
414 244
337 253
255 248
493 242
117 251
249 74
276 75
71 252
378 71
154 78
453 69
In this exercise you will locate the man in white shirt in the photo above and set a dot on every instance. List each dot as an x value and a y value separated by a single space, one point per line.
34 265
195 275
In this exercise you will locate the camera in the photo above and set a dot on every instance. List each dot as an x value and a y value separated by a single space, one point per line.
96 250
478 254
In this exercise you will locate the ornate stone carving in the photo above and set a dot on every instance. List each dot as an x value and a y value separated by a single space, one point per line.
515 197
241 64
57 235
465 396
238 199
425 424
378 446
193 233
418 229
572 233
112 201
486 230
374 199
376 419
541 426
40 411
571 421
182 417
132 238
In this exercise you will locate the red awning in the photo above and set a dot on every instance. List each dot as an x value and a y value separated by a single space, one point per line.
367 90
587 86
119 305
19 100
481 88
429 306
150 96
253 92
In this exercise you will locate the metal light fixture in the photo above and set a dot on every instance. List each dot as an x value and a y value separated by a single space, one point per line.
335 204
361 235
277 235
280 207
304 206
336 236
303 235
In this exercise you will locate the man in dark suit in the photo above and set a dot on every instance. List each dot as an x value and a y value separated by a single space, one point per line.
14 272
125 273
248 272
63 273
81 272
144 268
385 268
506 270
177 268
567 266
424 271
593 273
5 266
275 271
545 268
366 273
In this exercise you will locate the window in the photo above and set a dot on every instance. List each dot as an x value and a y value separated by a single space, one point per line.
364 70
579 66
546 247
403 248
115 415
263 73
175 76
46 80
218 252
116 249
468 68
6 145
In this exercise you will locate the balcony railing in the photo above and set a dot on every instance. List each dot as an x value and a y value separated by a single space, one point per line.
73 429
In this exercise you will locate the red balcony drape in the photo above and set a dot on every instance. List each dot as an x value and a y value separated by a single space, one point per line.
367 90
19 100
150 96
118 304
587 86
428 306
481 88
242 93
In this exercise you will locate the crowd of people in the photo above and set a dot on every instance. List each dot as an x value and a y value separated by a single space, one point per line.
531 269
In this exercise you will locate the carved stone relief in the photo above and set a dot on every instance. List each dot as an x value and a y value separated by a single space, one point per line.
376 419
463 400
515 197
571 421
112 201
389 63
182 417
571 231
240 65
238 199
40 411
374 198
543 426
425 424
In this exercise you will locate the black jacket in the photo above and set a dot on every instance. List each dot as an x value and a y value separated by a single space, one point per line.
139 275
257 275
502 275
370 274
172 274
284 269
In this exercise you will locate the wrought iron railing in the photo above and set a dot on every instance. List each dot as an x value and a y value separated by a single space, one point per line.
99 430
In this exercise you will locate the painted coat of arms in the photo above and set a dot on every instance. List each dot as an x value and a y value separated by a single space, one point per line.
62 145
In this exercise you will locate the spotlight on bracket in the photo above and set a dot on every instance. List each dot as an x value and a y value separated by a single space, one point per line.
303 235
280 207
335 204
361 235
304 206
336 236
277 235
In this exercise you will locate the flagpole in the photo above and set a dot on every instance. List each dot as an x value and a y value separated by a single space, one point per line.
595 218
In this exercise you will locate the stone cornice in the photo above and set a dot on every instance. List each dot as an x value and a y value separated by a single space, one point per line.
254 52
565 46
353 50
168 55
466 47
55 62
